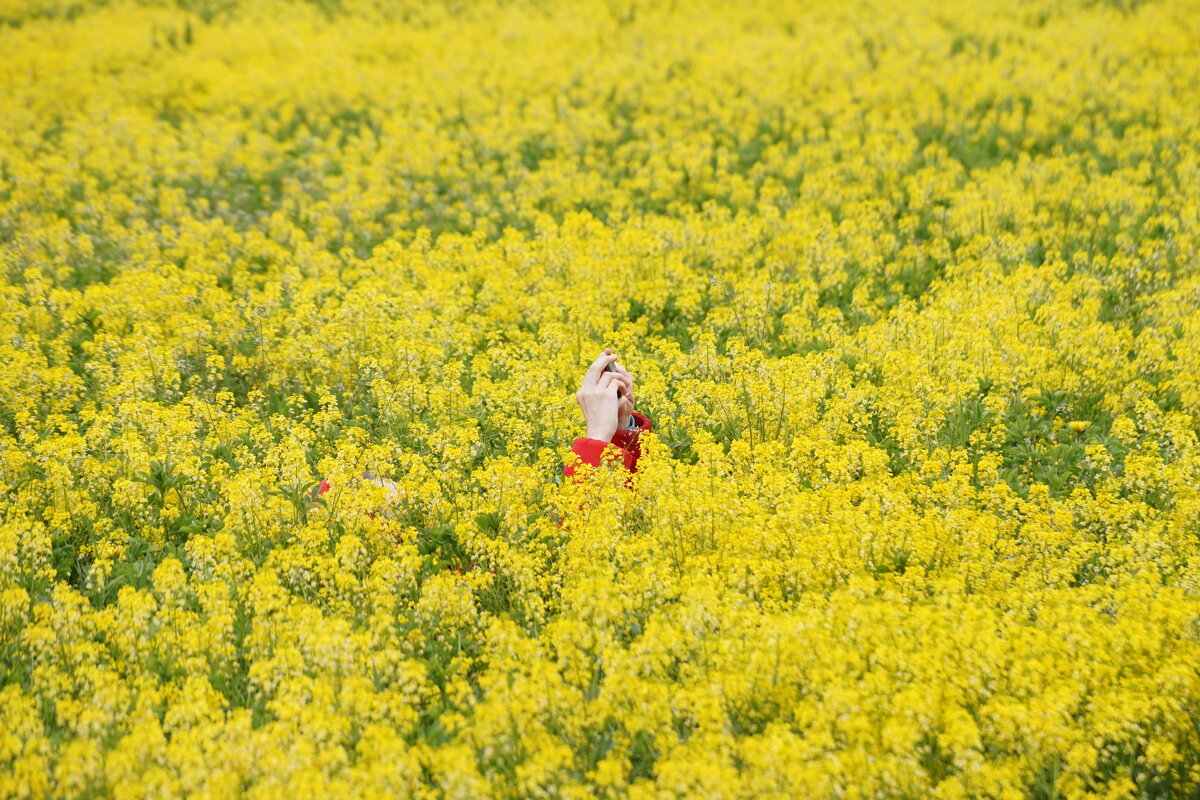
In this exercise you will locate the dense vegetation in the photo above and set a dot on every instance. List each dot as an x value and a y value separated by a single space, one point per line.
910 290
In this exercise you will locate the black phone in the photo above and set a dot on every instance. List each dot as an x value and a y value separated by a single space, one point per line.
610 368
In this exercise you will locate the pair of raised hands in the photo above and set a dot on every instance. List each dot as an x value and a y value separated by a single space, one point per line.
606 397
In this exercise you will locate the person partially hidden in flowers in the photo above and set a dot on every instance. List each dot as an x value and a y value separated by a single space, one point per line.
606 398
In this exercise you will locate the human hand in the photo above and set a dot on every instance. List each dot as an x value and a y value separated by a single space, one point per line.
624 395
597 397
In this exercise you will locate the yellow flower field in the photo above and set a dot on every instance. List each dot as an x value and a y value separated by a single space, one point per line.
911 293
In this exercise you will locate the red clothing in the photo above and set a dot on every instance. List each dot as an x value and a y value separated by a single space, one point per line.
590 450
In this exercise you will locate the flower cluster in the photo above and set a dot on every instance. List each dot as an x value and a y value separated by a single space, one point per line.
294 297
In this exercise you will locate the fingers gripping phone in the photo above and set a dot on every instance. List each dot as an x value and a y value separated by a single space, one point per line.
610 368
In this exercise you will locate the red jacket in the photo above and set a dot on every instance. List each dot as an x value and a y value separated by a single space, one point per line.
589 451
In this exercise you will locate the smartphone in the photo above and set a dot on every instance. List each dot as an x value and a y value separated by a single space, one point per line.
610 368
